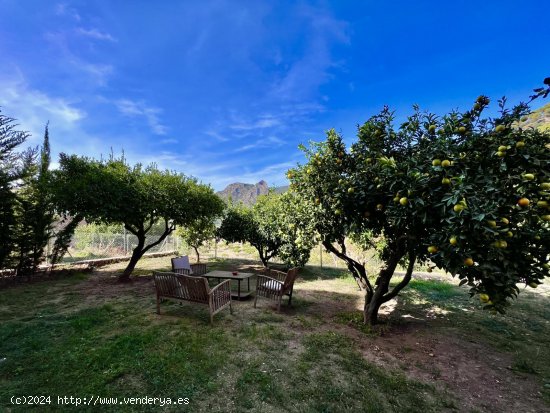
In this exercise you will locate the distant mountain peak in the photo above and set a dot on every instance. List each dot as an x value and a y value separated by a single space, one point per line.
247 193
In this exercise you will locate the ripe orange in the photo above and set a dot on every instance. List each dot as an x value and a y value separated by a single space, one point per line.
468 262
523 202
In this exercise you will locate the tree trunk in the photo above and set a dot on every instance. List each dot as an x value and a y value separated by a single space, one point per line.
374 300
137 253
196 252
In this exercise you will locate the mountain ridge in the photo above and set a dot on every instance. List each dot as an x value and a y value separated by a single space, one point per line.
239 192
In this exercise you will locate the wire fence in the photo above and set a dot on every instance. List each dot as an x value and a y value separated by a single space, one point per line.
92 241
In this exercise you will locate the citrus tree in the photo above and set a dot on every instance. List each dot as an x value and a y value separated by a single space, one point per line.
198 232
466 193
276 225
113 192
253 225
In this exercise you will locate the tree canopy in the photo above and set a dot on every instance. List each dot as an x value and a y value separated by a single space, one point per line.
468 193
113 192
276 225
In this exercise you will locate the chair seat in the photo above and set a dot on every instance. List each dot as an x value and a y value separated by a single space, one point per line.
272 285
221 294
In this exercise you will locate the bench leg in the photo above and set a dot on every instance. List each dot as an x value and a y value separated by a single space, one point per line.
290 298
255 298
158 305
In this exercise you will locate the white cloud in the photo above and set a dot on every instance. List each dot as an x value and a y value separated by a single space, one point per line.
264 122
95 34
33 108
61 9
270 142
132 108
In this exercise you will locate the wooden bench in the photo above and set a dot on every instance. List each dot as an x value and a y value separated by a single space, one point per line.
195 289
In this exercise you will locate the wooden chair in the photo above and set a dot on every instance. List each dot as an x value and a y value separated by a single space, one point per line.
180 265
198 269
275 285
181 288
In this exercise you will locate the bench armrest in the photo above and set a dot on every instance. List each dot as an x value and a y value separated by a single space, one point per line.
220 295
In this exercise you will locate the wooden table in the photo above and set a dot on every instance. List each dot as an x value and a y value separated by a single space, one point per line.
227 275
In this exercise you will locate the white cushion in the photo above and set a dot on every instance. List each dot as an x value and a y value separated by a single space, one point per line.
181 262
272 285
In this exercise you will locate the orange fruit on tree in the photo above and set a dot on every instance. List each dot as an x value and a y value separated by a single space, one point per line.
468 262
523 202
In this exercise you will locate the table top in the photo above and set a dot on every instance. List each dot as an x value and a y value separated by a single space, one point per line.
228 274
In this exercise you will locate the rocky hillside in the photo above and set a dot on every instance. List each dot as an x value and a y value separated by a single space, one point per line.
539 119
247 193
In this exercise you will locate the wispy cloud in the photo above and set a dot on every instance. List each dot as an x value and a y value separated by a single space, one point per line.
61 9
169 141
132 108
98 73
270 142
95 34
267 121
216 135
33 108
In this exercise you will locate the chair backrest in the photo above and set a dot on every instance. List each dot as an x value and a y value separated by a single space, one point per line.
290 278
181 262
198 269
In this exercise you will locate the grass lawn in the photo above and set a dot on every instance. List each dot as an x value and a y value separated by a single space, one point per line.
88 336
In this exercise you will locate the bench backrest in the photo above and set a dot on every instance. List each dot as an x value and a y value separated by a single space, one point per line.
183 287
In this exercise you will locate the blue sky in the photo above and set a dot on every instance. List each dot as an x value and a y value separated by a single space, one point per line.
226 90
